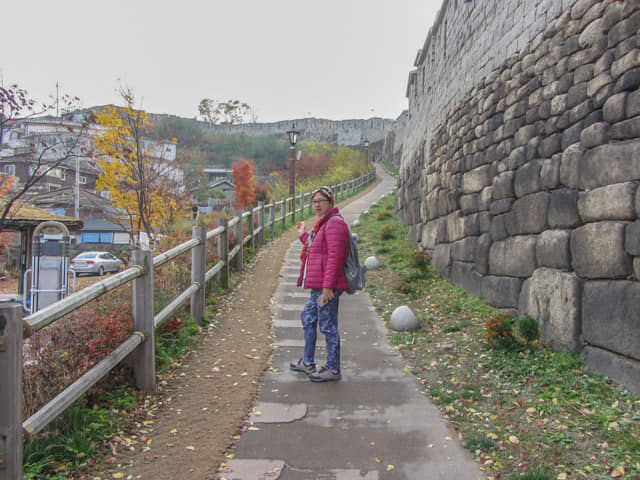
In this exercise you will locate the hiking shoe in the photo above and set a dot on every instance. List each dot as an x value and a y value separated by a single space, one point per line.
325 374
300 366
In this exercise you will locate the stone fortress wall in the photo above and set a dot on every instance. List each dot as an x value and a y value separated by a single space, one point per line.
342 132
520 163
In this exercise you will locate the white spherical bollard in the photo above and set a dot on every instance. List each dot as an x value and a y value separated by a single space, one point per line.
403 319
365 212
355 223
372 263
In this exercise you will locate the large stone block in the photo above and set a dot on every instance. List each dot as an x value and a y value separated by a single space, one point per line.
597 251
433 233
594 135
503 185
513 256
478 178
469 203
441 260
554 299
625 130
632 238
464 276
528 214
550 172
563 209
498 227
611 317
464 250
502 292
483 247
603 165
612 202
553 249
623 370
527 178
614 108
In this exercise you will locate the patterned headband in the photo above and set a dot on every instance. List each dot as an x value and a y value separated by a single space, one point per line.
325 192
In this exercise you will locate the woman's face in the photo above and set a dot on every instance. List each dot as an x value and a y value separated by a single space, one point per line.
320 204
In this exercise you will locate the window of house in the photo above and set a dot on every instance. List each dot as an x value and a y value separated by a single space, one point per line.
9 169
83 180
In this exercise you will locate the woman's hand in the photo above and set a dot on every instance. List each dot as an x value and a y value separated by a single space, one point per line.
327 295
300 227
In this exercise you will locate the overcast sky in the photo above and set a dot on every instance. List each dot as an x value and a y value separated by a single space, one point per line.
334 59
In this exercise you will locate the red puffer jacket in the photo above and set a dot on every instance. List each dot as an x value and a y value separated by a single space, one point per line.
328 253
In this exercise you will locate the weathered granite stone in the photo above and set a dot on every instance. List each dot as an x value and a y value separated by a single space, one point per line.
441 259
554 299
464 276
629 80
403 319
571 135
550 172
501 291
636 268
498 227
633 104
602 165
501 206
464 250
434 232
372 263
469 203
594 135
475 180
625 130
553 249
623 370
625 63
632 238
614 108
597 251
550 145
528 214
527 178
612 202
611 317
513 256
503 185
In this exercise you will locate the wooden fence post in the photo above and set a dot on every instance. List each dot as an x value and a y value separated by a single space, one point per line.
142 296
272 217
284 214
10 391
261 223
223 252
301 205
251 229
238 239
198 272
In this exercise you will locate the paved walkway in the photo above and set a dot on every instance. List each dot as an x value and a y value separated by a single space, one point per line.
375 424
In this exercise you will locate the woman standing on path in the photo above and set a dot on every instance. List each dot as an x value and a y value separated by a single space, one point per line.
324 253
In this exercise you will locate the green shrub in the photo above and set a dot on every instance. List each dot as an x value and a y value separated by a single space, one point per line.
387 233
527 328
383 216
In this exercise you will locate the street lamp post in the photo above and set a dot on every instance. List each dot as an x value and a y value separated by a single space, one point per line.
293 138
366 150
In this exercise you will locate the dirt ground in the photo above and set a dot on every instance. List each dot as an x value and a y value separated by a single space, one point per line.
203 404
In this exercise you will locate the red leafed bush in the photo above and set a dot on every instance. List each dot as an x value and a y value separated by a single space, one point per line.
57 355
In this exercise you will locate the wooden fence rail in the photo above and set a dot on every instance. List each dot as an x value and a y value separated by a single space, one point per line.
14 327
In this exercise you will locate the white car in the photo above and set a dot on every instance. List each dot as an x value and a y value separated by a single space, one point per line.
96 263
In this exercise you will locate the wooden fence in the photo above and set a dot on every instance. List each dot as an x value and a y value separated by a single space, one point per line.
14 327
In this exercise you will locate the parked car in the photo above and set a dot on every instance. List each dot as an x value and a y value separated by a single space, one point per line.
97 263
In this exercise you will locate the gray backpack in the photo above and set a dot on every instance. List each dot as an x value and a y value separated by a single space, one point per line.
354 272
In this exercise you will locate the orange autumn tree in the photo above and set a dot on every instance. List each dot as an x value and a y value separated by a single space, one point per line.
243 180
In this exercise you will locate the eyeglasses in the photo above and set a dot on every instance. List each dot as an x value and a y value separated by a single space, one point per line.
318 202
